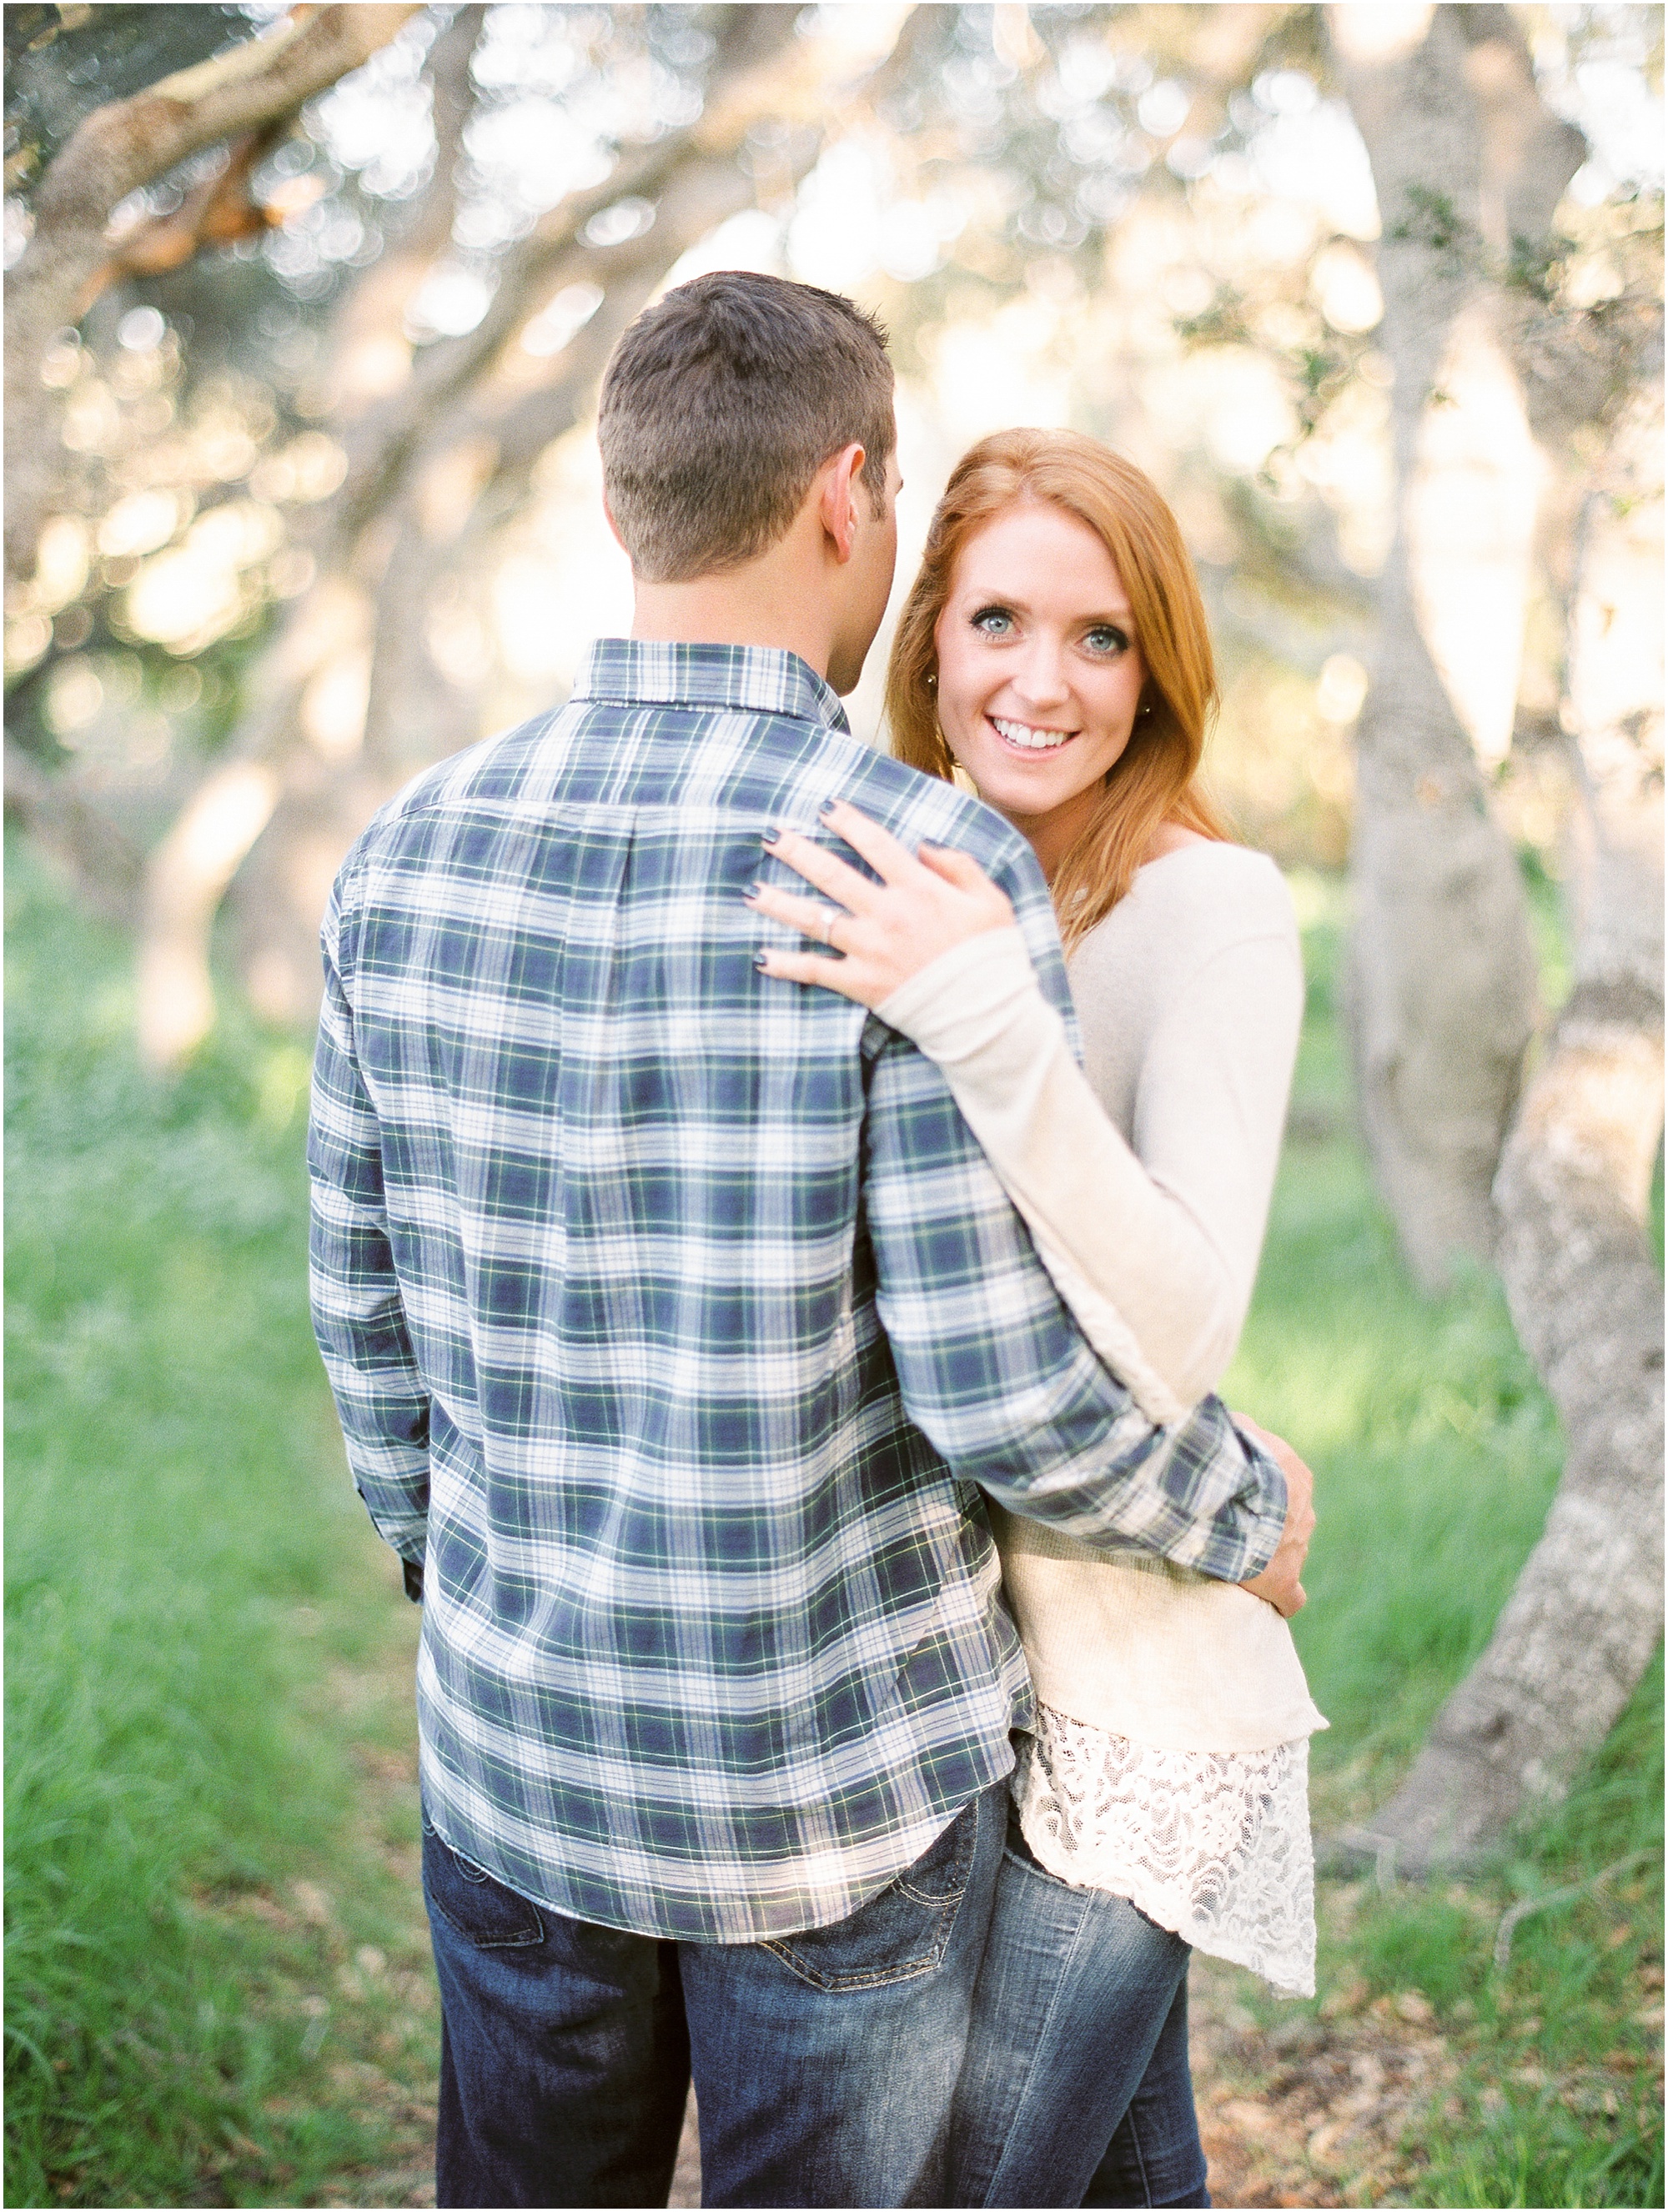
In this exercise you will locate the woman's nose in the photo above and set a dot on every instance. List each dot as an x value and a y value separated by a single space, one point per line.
1040 680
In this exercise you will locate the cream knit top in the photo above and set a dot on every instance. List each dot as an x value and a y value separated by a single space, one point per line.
1145 1179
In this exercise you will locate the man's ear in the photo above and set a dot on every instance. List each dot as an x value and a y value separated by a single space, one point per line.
837 502
615 527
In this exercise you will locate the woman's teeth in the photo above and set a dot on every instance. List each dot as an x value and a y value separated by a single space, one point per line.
1035 741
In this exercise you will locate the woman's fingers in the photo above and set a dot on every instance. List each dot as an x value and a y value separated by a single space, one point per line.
958 868
841 881
886 932
814 968
890 862
810 915
965 872
985 905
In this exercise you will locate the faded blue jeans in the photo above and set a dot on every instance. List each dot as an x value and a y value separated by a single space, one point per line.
824 2064
1076 2088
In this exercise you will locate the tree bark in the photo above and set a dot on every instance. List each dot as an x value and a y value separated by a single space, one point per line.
118 147
1440 988
1580 1627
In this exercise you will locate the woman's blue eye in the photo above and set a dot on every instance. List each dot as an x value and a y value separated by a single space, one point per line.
995 622
1106 638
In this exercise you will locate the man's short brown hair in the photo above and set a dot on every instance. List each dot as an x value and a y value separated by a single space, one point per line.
719 405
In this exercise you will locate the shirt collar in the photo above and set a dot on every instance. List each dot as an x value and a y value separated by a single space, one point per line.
761 679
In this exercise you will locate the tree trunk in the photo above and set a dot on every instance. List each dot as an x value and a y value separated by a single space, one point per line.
1440 989
1580 1627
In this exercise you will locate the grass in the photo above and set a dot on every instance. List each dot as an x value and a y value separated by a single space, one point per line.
217 1991
187 1571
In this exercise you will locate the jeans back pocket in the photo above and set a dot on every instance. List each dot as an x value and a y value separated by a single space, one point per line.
483 1910
902 1931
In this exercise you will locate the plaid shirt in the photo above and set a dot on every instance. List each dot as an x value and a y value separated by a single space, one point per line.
676 1321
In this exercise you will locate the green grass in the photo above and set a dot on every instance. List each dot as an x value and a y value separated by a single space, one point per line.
216 1992
185 1560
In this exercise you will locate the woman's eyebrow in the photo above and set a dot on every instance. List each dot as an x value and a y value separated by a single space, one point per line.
1006 599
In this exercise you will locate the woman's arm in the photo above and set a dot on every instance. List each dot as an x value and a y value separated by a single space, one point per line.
1157 1266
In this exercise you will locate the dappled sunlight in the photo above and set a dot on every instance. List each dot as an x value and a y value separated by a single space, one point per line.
565 580
312 500
1116 314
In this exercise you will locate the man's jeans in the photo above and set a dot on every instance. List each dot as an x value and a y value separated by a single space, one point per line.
824 2062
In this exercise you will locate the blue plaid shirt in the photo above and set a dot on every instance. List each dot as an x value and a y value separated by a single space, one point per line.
676 1321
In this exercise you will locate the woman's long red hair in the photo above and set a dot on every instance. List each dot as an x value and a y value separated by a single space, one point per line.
1156 778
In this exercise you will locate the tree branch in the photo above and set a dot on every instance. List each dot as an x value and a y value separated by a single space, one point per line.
119 147
218 213
383 449
371 313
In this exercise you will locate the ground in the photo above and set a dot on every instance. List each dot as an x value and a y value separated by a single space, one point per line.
1310 2111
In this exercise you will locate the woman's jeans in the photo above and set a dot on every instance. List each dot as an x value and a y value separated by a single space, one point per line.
1076 2088
824 2062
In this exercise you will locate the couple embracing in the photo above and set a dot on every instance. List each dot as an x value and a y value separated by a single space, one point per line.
853 1670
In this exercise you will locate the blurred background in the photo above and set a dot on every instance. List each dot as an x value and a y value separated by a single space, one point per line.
306 313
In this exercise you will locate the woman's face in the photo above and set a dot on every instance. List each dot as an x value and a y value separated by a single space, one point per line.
1039 676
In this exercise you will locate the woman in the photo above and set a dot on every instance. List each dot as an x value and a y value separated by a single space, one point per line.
1054 650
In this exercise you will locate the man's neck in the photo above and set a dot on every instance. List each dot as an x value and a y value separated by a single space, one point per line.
758 604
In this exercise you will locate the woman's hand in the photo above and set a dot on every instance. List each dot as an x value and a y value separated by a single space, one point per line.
885 932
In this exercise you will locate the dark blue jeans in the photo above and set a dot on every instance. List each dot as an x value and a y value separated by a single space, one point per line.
1076 2088
824 2064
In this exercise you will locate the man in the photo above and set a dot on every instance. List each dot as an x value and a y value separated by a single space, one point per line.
676 1322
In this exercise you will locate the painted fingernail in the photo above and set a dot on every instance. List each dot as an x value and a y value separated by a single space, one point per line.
769 836
828 806
760 959
752 890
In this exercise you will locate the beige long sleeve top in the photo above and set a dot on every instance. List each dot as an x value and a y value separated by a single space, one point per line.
1145 1178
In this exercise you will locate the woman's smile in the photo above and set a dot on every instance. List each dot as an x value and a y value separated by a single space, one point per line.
1025 739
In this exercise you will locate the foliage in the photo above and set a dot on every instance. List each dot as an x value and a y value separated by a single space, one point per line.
1155 222
194 398
61 63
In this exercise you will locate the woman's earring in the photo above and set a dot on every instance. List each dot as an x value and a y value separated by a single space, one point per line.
932 681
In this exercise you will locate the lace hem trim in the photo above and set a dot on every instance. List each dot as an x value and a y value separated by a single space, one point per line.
1214 1845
